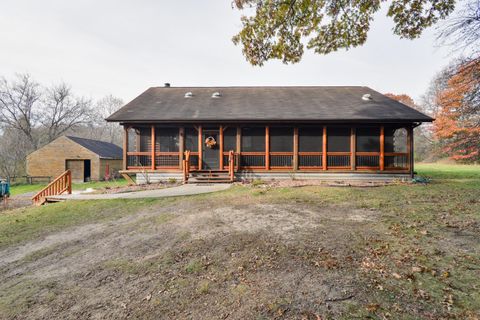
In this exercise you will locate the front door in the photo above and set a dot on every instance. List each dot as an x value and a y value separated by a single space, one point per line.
210 149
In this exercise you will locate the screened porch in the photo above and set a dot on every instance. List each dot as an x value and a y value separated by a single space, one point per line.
380 148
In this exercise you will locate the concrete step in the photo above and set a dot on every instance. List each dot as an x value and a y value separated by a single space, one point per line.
193 180
195 174
210 177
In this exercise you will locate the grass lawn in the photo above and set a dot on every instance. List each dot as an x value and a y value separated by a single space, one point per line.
448 171
24 188
252 252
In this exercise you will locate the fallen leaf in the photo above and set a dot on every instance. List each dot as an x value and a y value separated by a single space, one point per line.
372 307
396 275
416 269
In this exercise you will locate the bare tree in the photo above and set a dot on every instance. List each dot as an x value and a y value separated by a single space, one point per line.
14 147
462 31
62 111
108 131
19 102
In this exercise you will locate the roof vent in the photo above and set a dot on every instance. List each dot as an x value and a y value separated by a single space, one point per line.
367 97
216 95
166 85
188 95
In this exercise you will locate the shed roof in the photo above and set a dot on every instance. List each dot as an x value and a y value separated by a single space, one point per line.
104 149
329 104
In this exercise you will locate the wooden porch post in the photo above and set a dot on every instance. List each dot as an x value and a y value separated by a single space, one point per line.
200 147
410 147
295 148
267 147
324 149
125 146
353 147
239 146
382 148
221 147
181 146
153 146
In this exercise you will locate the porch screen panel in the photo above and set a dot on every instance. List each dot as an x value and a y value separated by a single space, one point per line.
168 139
310 145
132 140
191 139
191 144
281 140
338 146
396 156
395 139
145 139
142 137
143 143
167 142
229 144
230 139
253 147
368 141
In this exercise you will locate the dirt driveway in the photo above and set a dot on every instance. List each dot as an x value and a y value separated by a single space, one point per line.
189 260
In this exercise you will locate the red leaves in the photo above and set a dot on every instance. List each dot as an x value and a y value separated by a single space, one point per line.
457 125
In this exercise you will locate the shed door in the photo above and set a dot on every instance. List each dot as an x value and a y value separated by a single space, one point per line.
77 169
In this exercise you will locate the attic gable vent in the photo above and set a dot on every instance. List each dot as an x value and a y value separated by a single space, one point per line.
367 97
216 95
188 95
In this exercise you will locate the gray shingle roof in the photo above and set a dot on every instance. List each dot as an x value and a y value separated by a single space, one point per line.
104 149
327 104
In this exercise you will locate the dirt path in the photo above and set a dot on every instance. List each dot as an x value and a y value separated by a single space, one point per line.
182 190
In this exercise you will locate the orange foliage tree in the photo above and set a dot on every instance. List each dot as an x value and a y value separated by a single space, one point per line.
403 98
457 124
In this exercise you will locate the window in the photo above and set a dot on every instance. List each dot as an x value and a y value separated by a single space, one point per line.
310 139
368 139
338 139
281 139
168 139
191 139
253 139
230 139
395 139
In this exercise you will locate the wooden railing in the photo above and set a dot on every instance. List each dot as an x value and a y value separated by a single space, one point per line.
143 160
61 184
186 166
231 165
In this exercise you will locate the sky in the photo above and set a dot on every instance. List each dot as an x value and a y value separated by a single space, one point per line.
122 47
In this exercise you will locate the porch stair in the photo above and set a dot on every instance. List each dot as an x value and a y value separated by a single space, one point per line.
61 184
213 176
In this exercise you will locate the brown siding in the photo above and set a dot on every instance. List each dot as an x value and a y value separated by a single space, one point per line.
50 160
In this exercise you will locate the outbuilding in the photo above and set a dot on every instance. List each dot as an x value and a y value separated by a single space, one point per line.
87 159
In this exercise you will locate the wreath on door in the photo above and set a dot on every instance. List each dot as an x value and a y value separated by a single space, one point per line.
210 142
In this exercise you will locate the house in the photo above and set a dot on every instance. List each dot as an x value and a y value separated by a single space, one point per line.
274 132
87 159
